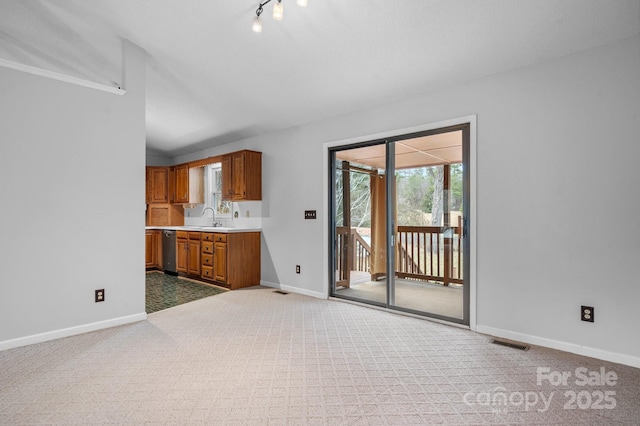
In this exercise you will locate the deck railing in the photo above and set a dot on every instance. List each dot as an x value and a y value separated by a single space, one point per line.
423 253
360 251
428 253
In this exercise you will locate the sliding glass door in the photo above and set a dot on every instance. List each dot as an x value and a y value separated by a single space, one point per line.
400 205
360 250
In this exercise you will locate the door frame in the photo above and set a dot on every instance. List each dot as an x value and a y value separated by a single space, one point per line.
471 225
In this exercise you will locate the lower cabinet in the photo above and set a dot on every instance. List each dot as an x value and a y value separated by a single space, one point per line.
220 258
188 252
231 260
153 249
207 256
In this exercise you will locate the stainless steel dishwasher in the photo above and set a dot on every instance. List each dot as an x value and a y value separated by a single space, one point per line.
169 252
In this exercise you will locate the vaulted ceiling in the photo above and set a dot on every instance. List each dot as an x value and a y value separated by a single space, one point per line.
211 80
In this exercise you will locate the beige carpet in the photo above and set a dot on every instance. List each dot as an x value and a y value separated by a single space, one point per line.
256 357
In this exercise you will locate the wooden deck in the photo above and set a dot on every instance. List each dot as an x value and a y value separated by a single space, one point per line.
423 296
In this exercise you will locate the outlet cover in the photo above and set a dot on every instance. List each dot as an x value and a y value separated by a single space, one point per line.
587 313
100 295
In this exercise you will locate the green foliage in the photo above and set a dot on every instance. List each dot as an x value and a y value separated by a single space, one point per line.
415 194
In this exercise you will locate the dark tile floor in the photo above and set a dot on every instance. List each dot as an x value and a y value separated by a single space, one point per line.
165 291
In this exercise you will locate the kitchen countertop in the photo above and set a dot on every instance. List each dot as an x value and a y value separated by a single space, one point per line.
198 228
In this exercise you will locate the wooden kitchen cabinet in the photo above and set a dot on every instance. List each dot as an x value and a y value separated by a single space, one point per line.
157 185
171 192
242 176
164 215
181 177
193 256
220 251
182 250
206 269
153 244
231 260
187 184
188 252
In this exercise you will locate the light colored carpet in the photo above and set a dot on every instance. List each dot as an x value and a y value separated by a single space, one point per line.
256 357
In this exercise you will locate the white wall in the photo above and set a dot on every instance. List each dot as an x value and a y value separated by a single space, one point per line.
72 189
555 140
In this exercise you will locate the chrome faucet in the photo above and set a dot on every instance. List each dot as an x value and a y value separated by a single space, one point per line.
212 211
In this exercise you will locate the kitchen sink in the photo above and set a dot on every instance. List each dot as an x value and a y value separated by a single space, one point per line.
208 228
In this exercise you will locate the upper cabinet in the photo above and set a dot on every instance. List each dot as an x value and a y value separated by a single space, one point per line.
184 184
189 184
242 176
181 176
157 185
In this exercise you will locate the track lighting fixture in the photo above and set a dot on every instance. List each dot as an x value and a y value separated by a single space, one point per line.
278 13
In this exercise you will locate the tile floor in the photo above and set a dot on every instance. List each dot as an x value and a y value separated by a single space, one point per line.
166 291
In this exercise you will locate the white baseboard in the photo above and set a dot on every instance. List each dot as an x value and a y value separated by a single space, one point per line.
629 360
71 331
316 294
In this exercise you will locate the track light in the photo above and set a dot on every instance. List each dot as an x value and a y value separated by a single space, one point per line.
278 13
257 24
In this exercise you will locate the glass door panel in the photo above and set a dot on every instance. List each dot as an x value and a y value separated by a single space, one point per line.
428 210
359 236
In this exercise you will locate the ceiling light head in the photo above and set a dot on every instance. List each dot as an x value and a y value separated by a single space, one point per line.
257 24
278 11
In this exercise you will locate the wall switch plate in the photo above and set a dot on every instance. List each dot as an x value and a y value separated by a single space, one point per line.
297 269
587 313
100 295
309 214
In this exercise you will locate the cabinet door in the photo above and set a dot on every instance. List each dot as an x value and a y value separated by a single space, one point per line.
159 180
238 178
193 262
220 262
227 181
182 184
157 236
150 250
182 248
171 184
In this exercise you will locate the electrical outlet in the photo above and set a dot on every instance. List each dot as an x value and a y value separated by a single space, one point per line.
587 313
100 295
297 269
